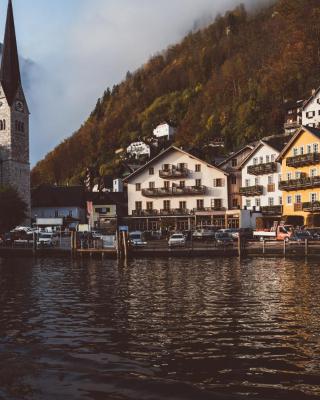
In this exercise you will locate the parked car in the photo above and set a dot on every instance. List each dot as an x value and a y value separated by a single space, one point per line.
204 234
223 239
136 239
301 236
47 240
177 240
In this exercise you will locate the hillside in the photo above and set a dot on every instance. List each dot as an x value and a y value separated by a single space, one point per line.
231 80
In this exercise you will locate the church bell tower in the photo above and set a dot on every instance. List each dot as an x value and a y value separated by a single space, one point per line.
14 118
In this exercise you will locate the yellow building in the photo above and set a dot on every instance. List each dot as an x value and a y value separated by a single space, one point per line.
300 178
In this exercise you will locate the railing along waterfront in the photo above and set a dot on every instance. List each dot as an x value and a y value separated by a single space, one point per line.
303 160
302 183
262 169
251 191
174 191
174 173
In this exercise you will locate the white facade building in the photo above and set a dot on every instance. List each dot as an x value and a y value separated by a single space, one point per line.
179 188
164 131
311 110
138 149
261 175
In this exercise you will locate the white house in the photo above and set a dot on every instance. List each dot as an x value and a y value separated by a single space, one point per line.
261 175
178 191
311 110
138 149
164 130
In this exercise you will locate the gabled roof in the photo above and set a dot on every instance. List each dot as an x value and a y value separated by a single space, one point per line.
163 154
313 96
314 131
247 147
10 77
276 142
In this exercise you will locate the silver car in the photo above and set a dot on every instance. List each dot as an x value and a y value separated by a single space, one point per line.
177 240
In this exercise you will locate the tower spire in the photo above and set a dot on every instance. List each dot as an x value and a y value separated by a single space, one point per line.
10 77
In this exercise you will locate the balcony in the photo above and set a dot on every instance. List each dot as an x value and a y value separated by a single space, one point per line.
263 169
291 125
303 160
251 191
209 209
145 213
175 191
174 173
175 212
311 207
300 184
272 210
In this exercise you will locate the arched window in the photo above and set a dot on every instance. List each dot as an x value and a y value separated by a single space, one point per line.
4 124
1 126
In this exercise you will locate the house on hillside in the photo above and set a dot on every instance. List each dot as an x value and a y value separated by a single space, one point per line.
293 119
311 110
260 179
164 131
67 202
177 191
138 150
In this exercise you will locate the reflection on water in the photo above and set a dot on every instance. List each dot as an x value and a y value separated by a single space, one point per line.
159 329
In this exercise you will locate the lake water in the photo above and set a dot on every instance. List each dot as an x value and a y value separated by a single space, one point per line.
159 329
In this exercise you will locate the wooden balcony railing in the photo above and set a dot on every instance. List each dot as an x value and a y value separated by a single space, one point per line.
174 173
303 160
145 213
175 191
209 209
300 184
272 210
251 191
263 169
175 212
311 207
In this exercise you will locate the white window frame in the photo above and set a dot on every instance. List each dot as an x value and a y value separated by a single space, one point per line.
289 200
312 174
299 197
316 197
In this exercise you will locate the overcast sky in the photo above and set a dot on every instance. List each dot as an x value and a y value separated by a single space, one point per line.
80 47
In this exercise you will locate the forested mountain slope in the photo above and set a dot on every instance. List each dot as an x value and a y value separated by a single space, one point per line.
231 80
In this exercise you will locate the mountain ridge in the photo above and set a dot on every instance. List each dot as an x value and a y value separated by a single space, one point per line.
230 80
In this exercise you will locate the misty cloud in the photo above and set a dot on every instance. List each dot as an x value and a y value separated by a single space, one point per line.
103 41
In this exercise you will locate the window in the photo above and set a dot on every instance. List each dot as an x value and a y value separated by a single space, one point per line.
2 124
149 205
255 161
289 176
217 204
256 181
270 180
166 184
235 203
182 205
316 148
151 171
166 204
233 180
166 167
138 205
298 175
198 168
289 200
313 197
301 150
309 148
261 160
138 187
270 201
200 204
218 182
280 200
198 182
295 152
267 159
182 184
313 172
234 162
273 157
70 213
151 185
297 198
258 202
248 203
247 182
56 214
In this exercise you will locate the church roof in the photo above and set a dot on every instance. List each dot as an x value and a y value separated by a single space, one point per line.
10 77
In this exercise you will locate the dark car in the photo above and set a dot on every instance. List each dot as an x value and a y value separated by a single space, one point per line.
223 239
301 236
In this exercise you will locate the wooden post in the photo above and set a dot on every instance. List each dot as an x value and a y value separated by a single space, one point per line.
306 248
125 245
240 245
263 246
284 247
